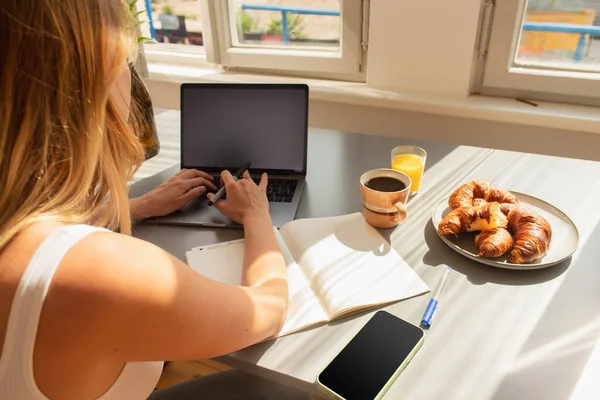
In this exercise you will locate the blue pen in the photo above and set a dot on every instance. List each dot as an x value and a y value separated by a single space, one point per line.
433 303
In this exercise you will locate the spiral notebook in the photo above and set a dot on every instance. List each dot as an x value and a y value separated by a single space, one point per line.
335 266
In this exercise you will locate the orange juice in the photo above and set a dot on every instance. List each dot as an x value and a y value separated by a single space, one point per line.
412 165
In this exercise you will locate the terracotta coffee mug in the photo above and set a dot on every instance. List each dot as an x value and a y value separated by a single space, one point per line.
384 194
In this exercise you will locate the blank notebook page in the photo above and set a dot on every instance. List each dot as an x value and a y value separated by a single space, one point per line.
349 264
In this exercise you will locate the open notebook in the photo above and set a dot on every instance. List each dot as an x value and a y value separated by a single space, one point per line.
335 266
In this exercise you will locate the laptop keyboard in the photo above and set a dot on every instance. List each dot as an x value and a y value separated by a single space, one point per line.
279 190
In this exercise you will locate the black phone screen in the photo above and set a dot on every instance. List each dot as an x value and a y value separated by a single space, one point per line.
367 363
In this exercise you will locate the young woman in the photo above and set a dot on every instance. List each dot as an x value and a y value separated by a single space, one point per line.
85 312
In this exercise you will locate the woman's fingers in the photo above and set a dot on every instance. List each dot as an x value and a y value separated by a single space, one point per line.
194 173
227 178
219 204
195 182
264 181
194 193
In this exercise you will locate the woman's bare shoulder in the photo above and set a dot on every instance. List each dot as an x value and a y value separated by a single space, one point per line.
103 261
109 280
127 299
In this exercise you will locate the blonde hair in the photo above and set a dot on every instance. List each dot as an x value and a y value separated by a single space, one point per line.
64 149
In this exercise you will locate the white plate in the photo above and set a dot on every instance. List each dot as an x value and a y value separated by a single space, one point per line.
565 237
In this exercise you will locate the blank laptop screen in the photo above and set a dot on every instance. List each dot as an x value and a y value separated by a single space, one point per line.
224 126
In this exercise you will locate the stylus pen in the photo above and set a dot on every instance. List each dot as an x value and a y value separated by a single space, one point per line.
433 303
238 174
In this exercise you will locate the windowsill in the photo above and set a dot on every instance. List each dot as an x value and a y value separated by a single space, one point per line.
545 115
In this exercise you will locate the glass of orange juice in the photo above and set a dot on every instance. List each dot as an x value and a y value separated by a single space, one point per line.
411 161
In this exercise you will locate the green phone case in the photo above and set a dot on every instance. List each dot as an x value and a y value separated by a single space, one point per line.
390 381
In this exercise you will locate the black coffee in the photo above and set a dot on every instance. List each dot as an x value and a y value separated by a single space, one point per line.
385 184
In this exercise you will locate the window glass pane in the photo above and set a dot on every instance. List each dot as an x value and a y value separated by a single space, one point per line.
172 21
286 23
561 33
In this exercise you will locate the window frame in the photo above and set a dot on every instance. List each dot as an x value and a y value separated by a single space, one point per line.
184 55
349 60
154 52
501 77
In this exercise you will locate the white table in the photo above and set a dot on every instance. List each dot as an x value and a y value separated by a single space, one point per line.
499 334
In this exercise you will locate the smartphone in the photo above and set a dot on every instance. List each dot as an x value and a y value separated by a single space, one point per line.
372 360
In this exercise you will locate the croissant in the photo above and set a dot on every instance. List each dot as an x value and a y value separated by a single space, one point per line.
506 208
532 235
493 242
480 202
465 195
469 219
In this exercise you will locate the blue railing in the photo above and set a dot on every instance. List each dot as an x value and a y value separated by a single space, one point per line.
582 30
150 20
288 10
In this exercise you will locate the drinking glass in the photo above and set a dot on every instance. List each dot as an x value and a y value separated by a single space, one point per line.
411 161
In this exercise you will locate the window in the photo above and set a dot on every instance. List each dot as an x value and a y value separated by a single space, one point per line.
173 21
177 31
266 25
560 34
545 49
290 35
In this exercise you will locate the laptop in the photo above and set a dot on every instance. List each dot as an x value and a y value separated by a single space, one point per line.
224 126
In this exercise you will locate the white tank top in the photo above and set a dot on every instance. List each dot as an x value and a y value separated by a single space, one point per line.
136 380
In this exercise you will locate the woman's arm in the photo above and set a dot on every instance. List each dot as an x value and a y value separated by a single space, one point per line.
130 300
170 196
258 228
139 209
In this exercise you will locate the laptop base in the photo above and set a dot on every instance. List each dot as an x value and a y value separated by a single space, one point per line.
198 213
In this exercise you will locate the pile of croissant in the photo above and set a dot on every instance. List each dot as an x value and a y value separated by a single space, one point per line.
504 224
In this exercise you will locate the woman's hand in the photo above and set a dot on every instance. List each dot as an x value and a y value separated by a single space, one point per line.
245 199
170 196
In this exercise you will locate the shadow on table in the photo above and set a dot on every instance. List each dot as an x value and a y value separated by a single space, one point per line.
293 354
556 355
387 233
440 254
253 353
